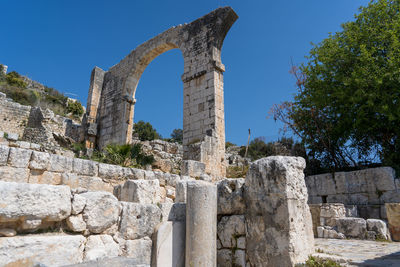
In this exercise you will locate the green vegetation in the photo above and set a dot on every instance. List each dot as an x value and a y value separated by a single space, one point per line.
346 111
123 155
176 136
236 171
13 85
319 262
229 144
145 131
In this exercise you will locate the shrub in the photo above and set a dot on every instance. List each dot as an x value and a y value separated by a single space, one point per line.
13 78
229 144
145 131
75 108
177 136
318 262
124 155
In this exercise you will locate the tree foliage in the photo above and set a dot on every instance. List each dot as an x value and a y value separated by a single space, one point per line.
75 108
145 131
177 136
347 110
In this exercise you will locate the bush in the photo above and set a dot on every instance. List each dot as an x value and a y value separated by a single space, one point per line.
229 144
177 136
75 108
14 79
319 262
236 171
124 155
145 131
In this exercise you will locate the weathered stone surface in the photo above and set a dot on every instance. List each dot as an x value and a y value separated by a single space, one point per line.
100 246
229 229
85 167
140 249
13 136
352 227
141 191
76 223
44 177
114 262
4 151
173 211
230 196
393 215
57 250
78 204
19 157
201 224
7 232
12 174
169 245
46 202
109 171
379 227
60 164
101 211
138 220
181 191
39 161
278 220
193 168
88 182
31 224
224 258
315 210
330 212
241 242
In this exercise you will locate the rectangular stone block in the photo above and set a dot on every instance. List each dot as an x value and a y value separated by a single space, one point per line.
88 182
39 161
19 201
139 249
11 174
60 163
140 191
109 171
44 177
85 167
393 215
192 168
56 250
19 157
4 150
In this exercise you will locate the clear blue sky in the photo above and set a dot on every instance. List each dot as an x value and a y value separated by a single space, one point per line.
59 42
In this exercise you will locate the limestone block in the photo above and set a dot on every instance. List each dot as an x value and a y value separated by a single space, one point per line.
101 211
109 171
45 177
138 174
149 175
351 210
181 191
330 212
230 196
170 192
371 235
46 202
139 249
241 242
19 157
229 229
357 182
384 178
4 151
78 204
39 161
278 220
76 223
31 224
171 179
325 185
320 232
193 168
11 174
141 191
173 211
60 163
7 232
397 183
369 211
138 220
358 199
224 258
239 258
57 250
340 198
315 210
13 136
382 212
88 182
393 215
34 146
379 227
392 196
352 227
85 167
169 245
340 182
314 199
100 246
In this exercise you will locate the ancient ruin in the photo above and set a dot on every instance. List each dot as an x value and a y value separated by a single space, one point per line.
111 100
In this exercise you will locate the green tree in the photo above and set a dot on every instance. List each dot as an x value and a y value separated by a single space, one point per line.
75 107
177 136
347 110
145 131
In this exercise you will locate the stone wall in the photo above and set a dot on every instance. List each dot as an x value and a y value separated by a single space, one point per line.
367 189
13 116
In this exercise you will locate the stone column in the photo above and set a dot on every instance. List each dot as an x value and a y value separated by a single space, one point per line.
201 224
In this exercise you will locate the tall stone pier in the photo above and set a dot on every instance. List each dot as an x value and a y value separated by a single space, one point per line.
278 220
111 100
201 224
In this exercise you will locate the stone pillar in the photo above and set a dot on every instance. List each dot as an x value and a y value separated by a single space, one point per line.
393 214
278 220
201 224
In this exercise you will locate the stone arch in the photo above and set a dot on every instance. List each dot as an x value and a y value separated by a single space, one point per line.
111 101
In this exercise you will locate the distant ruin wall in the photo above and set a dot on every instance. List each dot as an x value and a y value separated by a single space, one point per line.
13 116
367 189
